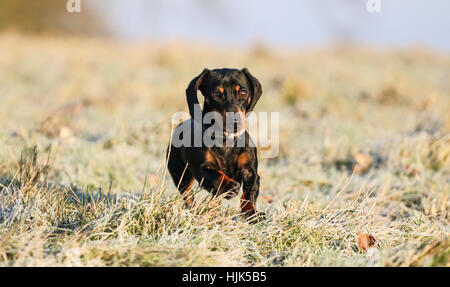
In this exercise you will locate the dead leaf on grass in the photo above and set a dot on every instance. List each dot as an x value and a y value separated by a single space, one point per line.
365 241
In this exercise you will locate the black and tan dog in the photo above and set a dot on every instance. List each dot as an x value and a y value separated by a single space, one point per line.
220 169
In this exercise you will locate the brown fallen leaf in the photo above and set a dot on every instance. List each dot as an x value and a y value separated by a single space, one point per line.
269 199
365 241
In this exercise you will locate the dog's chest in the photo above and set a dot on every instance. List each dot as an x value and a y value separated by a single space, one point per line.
226 159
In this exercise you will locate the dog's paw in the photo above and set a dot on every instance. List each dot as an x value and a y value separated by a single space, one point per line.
254 216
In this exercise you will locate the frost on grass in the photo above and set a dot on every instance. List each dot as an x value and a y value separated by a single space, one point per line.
364 148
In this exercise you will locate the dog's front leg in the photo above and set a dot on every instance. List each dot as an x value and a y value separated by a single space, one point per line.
218 182
250 180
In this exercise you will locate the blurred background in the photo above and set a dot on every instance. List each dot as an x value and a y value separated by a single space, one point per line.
240 23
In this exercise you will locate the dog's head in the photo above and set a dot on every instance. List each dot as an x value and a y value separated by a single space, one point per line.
227 92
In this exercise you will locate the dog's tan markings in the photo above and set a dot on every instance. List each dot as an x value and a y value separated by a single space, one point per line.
221 90
210 158
189 186
242 160
238 88
224 178
246 206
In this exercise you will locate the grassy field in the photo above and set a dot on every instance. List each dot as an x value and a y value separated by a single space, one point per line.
364 147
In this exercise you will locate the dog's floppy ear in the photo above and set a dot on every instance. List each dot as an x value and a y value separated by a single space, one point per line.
191 91
256 90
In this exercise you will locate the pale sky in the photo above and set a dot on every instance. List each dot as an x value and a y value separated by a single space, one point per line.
297 23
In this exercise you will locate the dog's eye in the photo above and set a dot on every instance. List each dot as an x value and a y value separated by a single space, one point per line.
217 94
242 93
